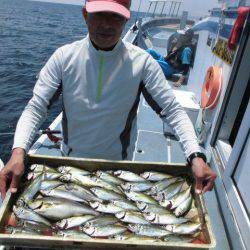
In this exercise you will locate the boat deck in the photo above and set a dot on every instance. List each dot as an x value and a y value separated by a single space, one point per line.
154 145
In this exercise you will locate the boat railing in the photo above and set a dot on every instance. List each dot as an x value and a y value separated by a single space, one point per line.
163 8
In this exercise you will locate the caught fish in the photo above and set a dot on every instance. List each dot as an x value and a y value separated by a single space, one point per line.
176 200
71 170
131 217
125 204
147 208
33 225
155 176
73 234
20 230
61 193
27 214
47 175
105 208
170 191
164 219
31 190
58 209
129 176
74 221
79 191
104 175
104 231
89 181
102 220
161 185
137 186
136 196
187 228
48 184
150 231
106 195
183 207
133 237
178 238
41 168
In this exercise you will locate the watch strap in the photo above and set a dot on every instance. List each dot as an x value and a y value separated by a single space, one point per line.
194 155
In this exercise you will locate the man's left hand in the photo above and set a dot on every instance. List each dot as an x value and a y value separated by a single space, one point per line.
204 176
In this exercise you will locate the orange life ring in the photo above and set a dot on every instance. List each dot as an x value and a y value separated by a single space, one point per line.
211 88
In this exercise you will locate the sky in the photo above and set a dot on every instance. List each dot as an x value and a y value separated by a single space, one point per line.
196 8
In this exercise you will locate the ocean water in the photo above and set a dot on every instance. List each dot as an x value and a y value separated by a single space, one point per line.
29 33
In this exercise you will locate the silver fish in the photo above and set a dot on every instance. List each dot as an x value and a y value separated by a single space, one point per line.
60 193
137 186
79 191
31 190
131 217
183 207
129 176
106 195
136 196
170 191
102 220
48 184
104 175
178 238
161 185
187 228
41 168
150 231
133 237
20 230
27 214
58 209
104 231
164 219
47 175
146 208
73 234
74 221
105 208
176 200
88 181
125 204
70 170
155 176
33 225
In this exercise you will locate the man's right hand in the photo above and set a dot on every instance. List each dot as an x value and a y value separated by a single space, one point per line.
13 170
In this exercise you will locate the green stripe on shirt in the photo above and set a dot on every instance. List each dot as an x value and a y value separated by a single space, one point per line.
99 88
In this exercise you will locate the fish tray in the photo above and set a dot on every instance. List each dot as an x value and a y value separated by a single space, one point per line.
52 242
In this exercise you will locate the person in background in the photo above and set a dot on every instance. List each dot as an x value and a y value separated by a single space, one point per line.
101 78
178 60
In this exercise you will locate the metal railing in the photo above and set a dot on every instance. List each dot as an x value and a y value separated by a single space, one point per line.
166 8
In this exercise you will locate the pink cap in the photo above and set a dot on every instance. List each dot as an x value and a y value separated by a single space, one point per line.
120 7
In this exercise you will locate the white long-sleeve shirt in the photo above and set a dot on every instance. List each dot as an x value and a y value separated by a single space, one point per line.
101 92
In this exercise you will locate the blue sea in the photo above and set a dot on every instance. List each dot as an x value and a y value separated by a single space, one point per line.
30 32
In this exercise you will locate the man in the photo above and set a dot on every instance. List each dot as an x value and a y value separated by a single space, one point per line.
101 79
179 57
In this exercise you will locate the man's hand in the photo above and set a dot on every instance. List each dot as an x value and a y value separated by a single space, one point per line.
13 170
204 176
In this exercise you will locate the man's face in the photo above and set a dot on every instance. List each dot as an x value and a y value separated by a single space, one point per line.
105 28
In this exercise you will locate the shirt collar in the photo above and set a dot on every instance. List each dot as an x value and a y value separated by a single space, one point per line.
103 52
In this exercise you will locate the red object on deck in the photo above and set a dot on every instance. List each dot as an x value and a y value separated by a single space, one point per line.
52 137
237 28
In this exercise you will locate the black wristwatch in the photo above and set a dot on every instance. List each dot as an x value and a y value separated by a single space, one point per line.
194 155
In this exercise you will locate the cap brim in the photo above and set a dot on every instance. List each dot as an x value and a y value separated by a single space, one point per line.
100 6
